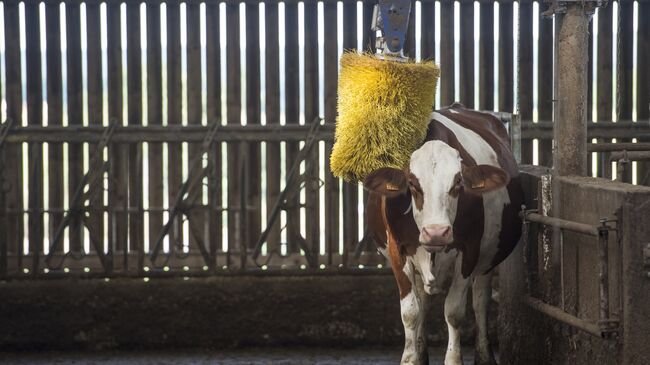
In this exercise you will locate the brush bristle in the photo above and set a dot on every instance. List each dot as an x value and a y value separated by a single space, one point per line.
383 113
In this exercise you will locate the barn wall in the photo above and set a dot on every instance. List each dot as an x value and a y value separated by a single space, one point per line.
216 312
530 337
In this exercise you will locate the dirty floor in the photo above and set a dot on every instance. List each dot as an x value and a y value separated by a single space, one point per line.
261 356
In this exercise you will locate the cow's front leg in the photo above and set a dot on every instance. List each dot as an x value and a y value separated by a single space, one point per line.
414 311
413 304
455 304
481 294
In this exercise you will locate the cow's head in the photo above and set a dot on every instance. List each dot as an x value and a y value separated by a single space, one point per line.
434 180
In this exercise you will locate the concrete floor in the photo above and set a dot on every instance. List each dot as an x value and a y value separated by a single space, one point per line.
261 356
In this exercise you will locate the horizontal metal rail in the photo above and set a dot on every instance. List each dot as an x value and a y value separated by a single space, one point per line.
169 133
273 133
560 223
611 147
606 326
197 273
564 317
630 156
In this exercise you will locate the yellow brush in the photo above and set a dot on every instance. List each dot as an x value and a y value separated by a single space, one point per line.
384 108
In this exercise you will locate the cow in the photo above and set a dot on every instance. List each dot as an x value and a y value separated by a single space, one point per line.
445 221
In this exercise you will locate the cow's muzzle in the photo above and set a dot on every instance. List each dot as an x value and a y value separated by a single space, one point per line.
435 237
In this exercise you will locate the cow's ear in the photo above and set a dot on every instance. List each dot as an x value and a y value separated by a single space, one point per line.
483 178
386 181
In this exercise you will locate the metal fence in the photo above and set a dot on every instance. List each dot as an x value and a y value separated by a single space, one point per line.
192 138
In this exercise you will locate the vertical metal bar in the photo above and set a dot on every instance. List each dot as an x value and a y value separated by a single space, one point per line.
515 136
603 270
243 201
621 170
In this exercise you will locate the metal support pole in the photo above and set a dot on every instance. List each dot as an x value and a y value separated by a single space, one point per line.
603 270
571 68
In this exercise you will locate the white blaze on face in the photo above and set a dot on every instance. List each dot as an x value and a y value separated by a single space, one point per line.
435 164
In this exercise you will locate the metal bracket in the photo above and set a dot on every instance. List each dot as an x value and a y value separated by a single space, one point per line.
76 204
391 19
559 6
293 184
185 196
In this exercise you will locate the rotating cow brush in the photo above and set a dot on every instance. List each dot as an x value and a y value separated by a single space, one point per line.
384 101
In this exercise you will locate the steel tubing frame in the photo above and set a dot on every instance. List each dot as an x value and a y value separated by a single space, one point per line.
605 326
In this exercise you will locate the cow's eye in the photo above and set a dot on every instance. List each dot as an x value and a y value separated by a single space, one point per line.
459 180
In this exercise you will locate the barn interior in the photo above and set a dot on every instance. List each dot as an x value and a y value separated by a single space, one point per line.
166 195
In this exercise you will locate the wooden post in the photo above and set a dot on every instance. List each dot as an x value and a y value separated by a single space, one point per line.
134 83
272 74
233 114
253 117
213 70
312 201
604 82
75 114
525 73
34 117
486 57
12 168
447 87
95 114
196 217
174 111
643 84
506 66
570 132
332 184
466 56
155 117
350 190
54 117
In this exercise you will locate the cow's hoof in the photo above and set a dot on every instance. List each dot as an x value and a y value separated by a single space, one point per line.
453 358
411 359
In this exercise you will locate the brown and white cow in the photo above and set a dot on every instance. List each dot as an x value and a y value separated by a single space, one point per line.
446 221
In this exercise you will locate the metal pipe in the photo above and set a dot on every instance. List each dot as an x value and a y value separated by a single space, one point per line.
621 169
560 223
562 316
603 270
631 156
610 147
